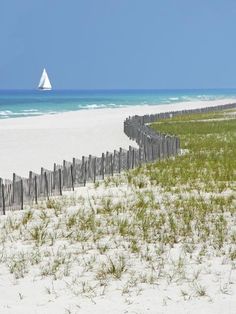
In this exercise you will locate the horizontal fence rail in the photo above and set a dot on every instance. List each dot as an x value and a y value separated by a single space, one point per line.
19 191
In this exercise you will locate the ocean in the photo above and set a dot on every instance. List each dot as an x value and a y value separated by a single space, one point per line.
27 103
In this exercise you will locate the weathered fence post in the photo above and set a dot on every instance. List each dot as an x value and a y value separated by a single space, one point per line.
94 169
82 169
133 165
54 176
35 190
112 168
119 164
89 167
3 201
22 194
46 185
144 152
139 156
107 171
74 170
13 187
60 187
102 166
127 166
85 172
30 182
41 182
72 177
64 174
152 152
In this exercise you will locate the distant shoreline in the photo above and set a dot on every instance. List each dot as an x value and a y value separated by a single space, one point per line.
30 103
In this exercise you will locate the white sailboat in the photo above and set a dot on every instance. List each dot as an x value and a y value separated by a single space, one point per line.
44 83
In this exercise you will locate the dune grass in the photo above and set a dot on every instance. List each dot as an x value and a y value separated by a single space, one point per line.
210 165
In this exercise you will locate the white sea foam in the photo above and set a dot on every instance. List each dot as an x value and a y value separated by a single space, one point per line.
93 106
30 110
8 113
165 101
5 113
27 113
98 106
187 98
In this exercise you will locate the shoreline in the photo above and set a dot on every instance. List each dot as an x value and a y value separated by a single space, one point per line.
29 143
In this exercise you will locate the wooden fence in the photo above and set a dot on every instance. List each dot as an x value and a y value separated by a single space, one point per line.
15 193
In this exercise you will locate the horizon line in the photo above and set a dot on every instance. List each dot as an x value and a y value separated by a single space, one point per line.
122 89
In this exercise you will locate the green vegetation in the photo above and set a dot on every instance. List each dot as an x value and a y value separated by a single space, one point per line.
199 185
209 165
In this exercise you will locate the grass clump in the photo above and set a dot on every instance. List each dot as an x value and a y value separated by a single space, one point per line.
114 267
18 265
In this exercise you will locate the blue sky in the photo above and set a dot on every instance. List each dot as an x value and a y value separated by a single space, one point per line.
115 44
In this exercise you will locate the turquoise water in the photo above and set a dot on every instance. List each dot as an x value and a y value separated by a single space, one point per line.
32 103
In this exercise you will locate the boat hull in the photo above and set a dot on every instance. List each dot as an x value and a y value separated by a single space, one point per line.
44 89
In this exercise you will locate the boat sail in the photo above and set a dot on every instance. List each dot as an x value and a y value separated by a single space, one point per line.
44 83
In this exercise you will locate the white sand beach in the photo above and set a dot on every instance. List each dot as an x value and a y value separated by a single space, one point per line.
34 142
